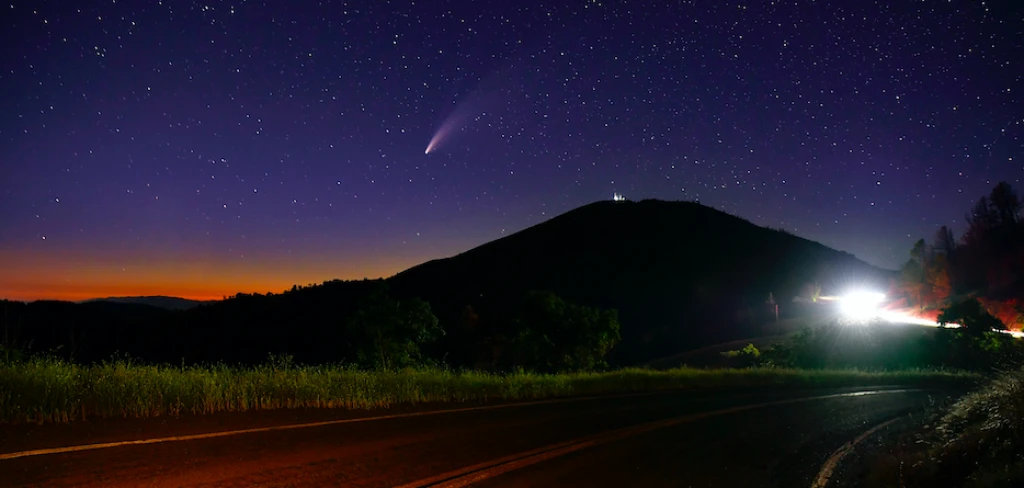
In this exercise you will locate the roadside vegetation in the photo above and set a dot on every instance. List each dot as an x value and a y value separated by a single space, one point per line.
887 347
548 347
52 390
976 442
983 436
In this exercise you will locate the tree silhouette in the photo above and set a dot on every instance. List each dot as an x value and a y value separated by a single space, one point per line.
937 277
554 335
987 262
919 252
388 333
1005 205
912 275
945 243
980 222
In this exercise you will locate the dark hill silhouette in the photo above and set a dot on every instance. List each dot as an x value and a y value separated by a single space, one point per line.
682 275
159 301
91 331
307 322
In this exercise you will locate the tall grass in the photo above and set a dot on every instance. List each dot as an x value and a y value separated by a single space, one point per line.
48 390
982 435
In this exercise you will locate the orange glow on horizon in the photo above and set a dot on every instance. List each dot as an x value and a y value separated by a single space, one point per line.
29 276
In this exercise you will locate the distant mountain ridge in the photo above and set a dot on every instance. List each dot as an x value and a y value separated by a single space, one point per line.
158 301
680 274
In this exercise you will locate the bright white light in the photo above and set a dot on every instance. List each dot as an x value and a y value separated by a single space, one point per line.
861 305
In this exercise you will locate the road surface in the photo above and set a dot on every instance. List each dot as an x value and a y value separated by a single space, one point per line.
674 439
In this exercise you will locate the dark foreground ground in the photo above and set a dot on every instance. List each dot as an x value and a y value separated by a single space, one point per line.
665 439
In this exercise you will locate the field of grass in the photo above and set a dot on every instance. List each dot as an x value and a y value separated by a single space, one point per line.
47 390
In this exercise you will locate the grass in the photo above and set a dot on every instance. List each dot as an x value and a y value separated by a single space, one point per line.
47 390
976 442
996 411
983 434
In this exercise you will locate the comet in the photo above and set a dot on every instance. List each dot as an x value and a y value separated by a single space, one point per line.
443 132
489 93
456 120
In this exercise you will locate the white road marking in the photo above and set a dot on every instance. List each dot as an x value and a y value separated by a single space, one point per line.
468 472
471 478
212 435
833 461
478 472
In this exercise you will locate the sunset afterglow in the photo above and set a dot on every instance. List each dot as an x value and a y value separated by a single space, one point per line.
32 276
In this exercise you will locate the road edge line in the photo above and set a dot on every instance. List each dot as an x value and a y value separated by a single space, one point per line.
467 475
827 469
470 470
212 435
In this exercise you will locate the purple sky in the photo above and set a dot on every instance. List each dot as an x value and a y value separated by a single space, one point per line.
199 148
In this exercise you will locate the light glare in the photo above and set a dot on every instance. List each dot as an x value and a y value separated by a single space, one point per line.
861 305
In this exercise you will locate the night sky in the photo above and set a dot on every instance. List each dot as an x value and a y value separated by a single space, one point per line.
201 149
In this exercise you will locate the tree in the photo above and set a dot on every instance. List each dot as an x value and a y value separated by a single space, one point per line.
993 244
945 243
937 277
388 333
1005 205
554 335
912 275
972 317
919 252
980 222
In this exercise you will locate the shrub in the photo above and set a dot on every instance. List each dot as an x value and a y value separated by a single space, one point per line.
744 358
972 317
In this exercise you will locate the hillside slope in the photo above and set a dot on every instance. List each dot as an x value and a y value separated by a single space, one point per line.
682 275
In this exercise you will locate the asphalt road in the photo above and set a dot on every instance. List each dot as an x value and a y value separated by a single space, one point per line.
677 439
